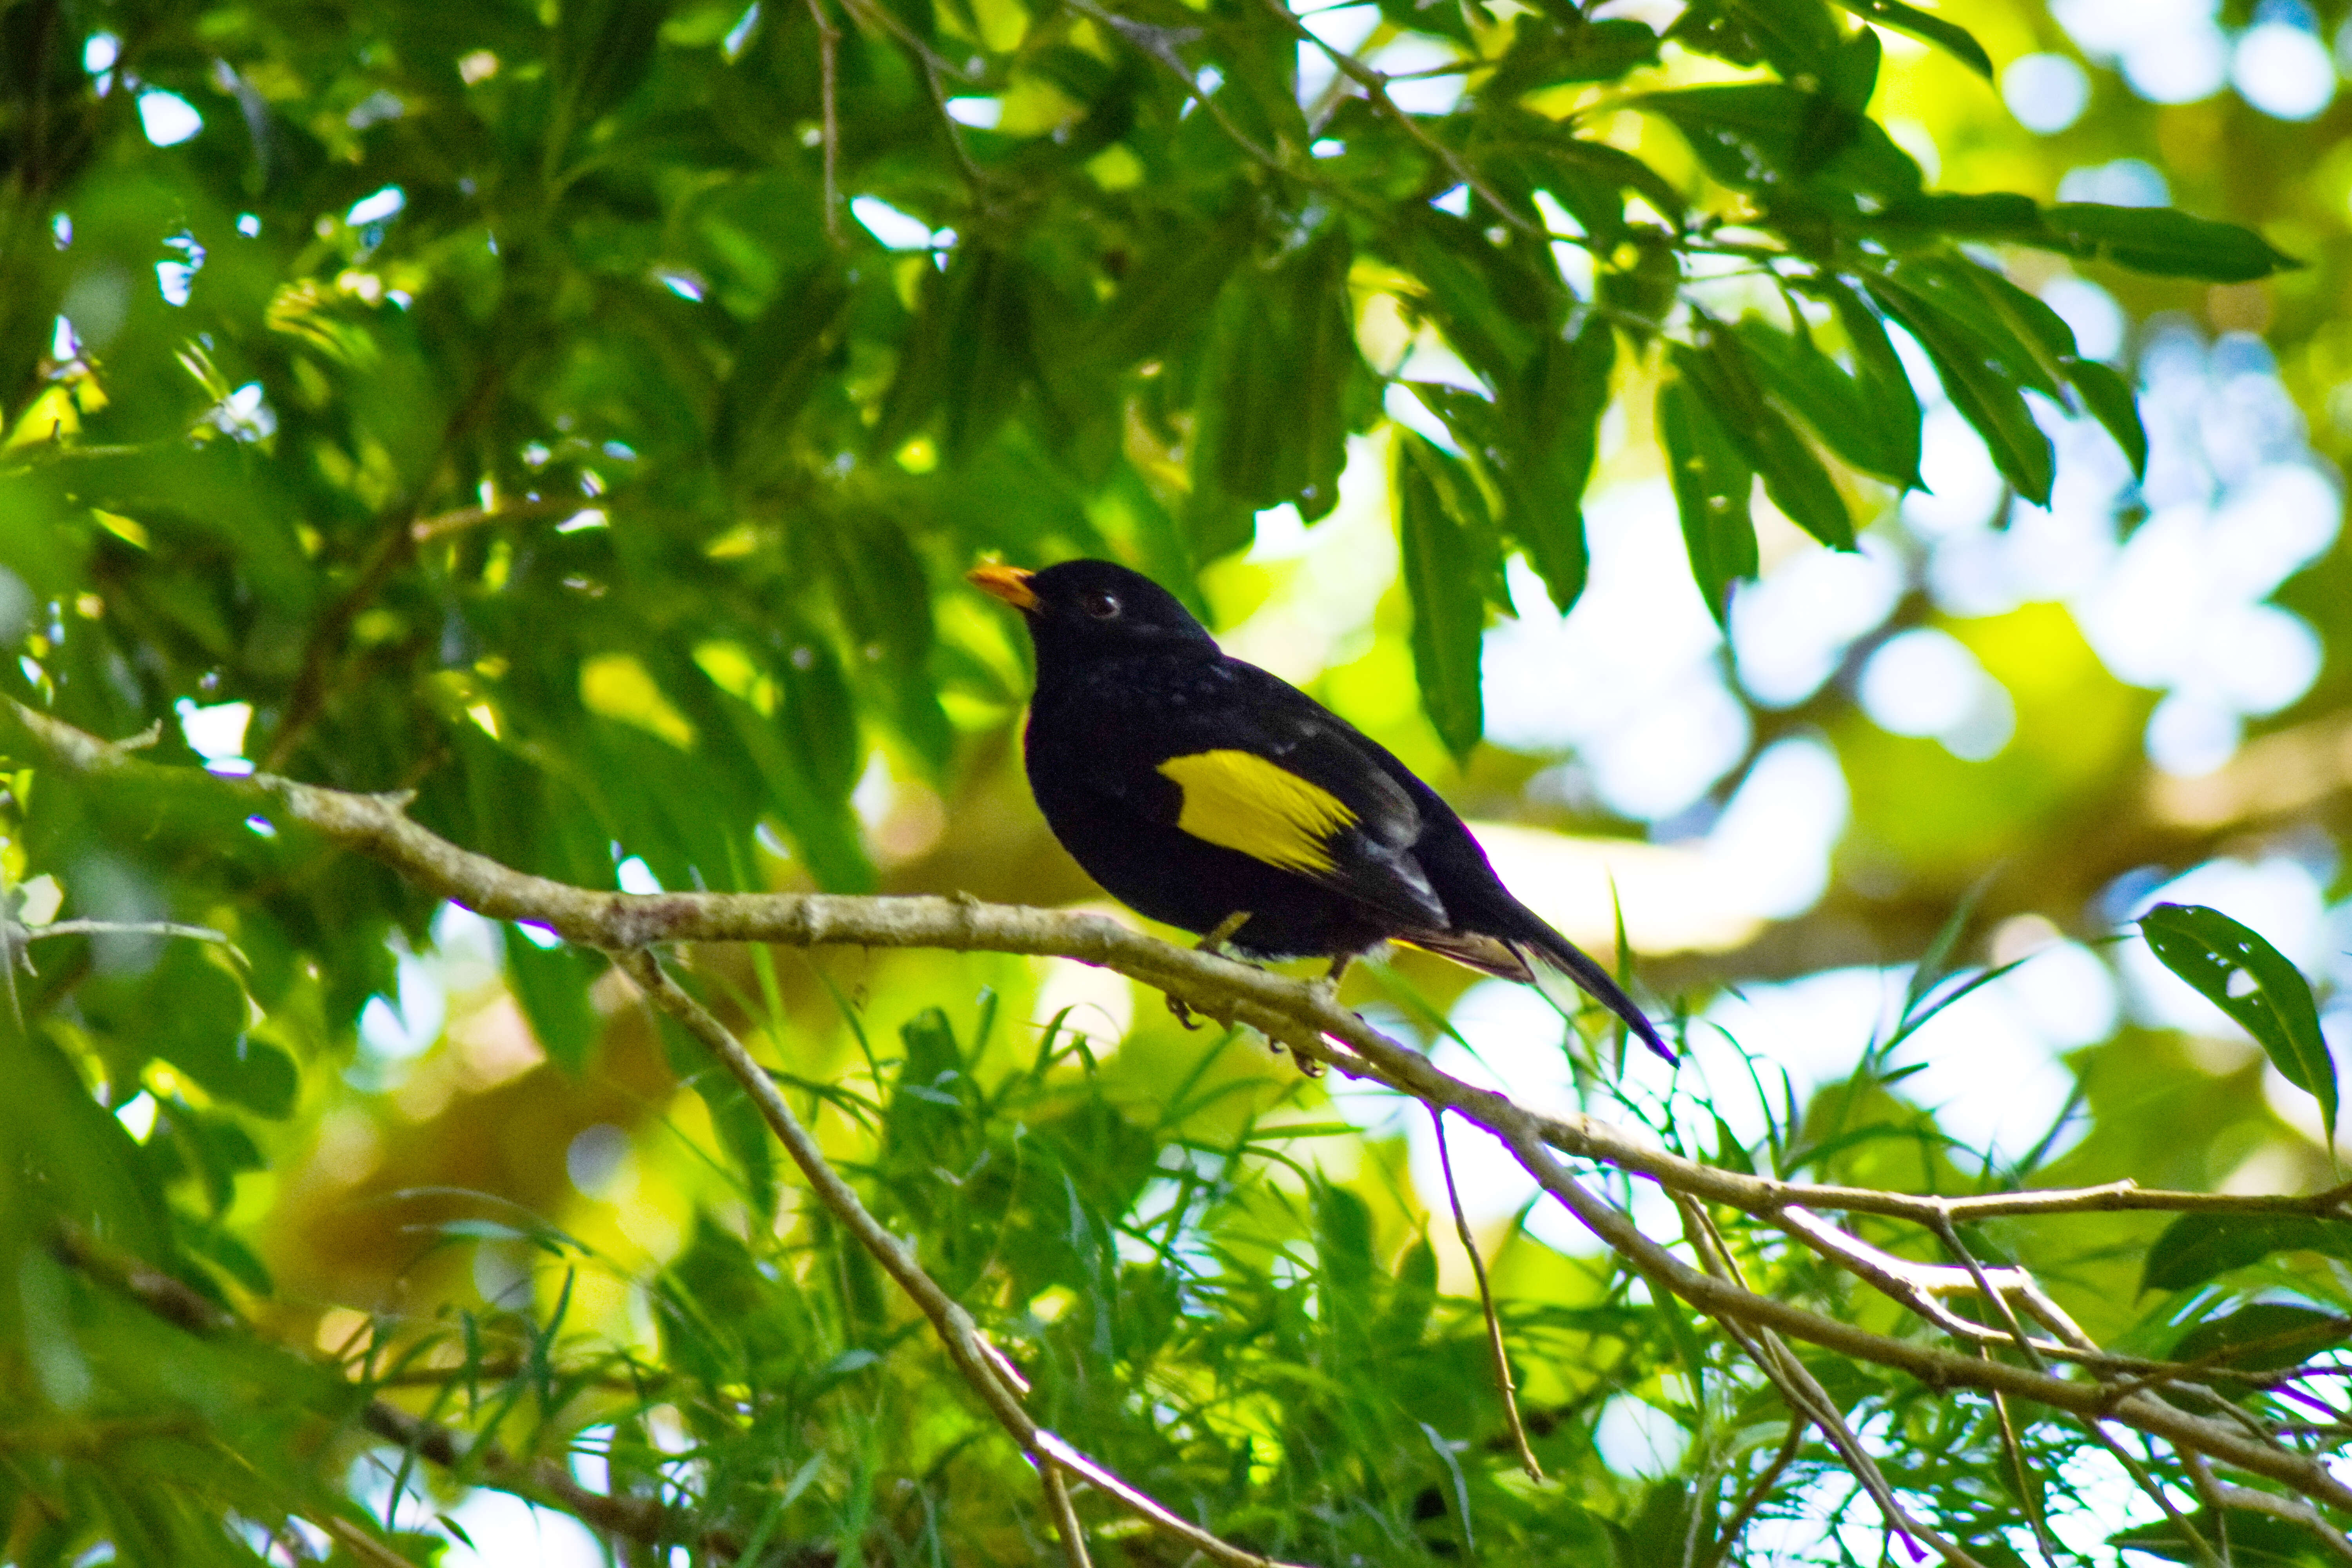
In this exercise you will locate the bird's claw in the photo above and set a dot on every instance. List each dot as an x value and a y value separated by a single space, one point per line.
1183 1013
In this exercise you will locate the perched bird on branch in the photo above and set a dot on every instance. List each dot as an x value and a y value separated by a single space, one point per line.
1204 793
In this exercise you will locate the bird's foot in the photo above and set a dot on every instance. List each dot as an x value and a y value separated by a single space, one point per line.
1183 1013
1327 989
1216 938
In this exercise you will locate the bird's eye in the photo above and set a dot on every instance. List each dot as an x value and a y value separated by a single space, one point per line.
1102 607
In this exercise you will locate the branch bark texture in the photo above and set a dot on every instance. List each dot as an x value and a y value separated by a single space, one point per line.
1309 1024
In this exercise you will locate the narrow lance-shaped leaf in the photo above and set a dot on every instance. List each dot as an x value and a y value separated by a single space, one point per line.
2199 1246
1888 402
2166 242
1541 452
2233 968
1977 357
1441 518
1719 374
1711 482
1807 383
2108 398
1952 38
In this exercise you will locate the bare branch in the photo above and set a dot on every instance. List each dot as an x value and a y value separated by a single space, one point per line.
1376 87
828 69
466 519
1503 1386
1307 1021
1066 1518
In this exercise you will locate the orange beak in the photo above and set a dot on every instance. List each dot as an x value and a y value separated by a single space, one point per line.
1009 583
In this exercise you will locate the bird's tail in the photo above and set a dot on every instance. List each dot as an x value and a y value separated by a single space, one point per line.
1532 933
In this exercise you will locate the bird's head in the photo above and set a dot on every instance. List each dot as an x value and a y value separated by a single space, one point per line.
1093 606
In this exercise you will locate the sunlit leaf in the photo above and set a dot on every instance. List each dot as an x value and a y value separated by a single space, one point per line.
1711 485
2237 970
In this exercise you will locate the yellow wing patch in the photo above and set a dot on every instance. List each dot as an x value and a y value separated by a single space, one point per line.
1240 800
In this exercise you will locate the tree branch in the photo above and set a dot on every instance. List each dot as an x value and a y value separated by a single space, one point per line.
1311 1025
637 1519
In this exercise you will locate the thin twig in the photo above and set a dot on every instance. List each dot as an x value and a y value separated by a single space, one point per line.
828 47
1503 1383
484 1463
2029 1492
1375 86
990 1374
1305 1021
1066 1518
441 525
1755 1496
1159 44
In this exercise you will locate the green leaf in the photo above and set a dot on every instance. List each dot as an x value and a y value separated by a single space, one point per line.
1167 288
2264 1337
1491 309
1711 482
1796 36
190 1011
2164 242
1889 403
2109 399
1590 177
967 355
551 986
1282 385
1447 544
799 336
883 598
2257 1540
1745 135
1536 446
1412 1298
1834 117
1793 373
1643 295
602 50
2199 1247
1554 425
1718 373
1543 54
1983 366
1442 18
1950 37
2253 983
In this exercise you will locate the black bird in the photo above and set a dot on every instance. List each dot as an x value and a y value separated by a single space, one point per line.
1204 793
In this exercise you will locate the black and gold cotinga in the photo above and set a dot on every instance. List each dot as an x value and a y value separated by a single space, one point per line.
1200 791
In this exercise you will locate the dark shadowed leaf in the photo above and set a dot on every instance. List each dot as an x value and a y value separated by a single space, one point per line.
2166 242
2256 1538
2197 1246
190 1011
2264 1337
1447 541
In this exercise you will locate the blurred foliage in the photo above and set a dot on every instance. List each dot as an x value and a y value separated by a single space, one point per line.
579 414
